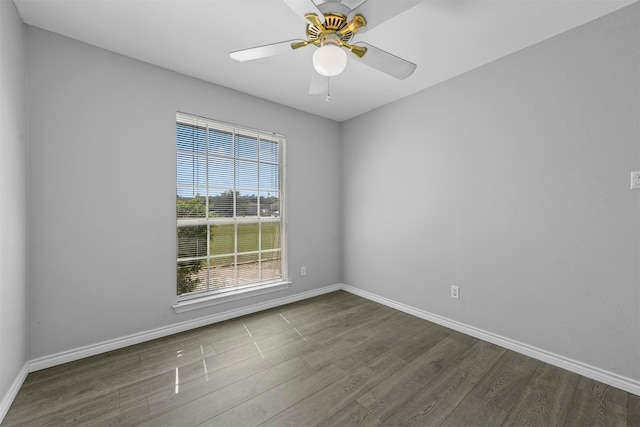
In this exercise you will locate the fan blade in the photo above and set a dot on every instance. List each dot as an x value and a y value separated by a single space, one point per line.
263 51
304 7
319 84
378 11
352 4
386 62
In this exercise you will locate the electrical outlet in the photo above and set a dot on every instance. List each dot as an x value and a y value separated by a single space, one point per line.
303 270
455 292
635 180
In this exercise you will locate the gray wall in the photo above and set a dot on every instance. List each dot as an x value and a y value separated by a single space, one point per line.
102 191
511 181
13 196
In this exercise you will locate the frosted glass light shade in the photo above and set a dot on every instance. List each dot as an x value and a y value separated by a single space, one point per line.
329 60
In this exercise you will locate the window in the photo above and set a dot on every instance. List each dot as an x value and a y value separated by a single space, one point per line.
229 207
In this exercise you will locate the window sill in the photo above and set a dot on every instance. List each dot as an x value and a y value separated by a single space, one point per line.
228 296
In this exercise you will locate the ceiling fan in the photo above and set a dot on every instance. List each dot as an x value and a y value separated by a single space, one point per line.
331 25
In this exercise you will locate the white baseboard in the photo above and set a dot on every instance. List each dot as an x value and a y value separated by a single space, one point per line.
137 338
606 377
11 394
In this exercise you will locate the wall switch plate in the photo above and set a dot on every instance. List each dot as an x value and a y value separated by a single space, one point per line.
455 292
303 270
635 180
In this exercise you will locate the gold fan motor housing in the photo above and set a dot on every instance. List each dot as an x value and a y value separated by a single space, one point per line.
333 23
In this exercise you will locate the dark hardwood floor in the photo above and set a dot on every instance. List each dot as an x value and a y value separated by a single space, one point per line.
333 360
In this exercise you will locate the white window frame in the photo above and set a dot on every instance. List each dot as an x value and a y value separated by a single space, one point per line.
195 300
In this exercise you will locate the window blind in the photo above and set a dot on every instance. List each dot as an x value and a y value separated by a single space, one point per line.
229 206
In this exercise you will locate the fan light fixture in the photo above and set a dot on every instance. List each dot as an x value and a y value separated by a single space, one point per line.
331 26
329 60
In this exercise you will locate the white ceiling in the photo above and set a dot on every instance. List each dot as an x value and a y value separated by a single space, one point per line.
194 37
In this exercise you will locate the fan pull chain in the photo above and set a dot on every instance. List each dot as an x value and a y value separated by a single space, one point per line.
328 98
